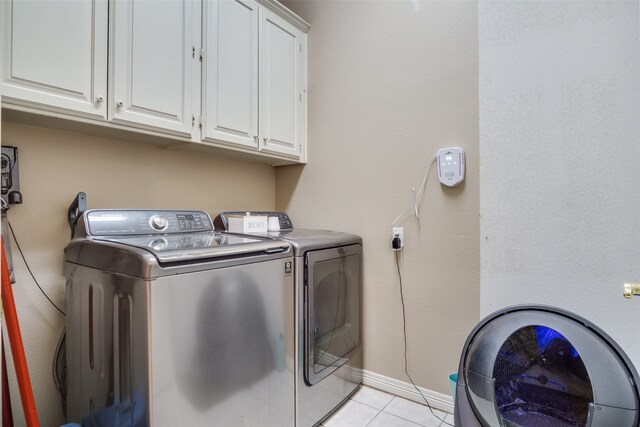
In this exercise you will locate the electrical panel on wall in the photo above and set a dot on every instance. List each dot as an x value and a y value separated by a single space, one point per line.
9 176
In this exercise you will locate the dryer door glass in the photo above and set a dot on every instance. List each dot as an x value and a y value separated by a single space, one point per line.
333 310
540 379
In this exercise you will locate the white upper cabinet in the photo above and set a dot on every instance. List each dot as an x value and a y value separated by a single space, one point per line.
254 77
54 55
152 55
230 76
224 73
282 86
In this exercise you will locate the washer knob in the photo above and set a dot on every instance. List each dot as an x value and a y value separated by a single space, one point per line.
159 244
159 222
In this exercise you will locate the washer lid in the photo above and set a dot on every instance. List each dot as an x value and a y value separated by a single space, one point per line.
190 246
307 240
154 243
536 365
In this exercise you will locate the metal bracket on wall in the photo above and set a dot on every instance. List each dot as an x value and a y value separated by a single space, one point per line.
76 209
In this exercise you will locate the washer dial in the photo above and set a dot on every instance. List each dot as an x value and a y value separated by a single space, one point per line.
160 223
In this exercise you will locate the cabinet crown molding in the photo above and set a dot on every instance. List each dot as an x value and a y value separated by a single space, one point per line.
282 11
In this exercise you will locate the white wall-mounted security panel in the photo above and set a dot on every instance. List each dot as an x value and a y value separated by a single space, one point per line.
451 166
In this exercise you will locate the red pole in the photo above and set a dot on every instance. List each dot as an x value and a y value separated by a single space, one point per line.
17 347
7 414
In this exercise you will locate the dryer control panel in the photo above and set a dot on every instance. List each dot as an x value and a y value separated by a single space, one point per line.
144 222
222 220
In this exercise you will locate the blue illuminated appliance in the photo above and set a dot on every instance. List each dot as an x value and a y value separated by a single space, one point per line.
529 366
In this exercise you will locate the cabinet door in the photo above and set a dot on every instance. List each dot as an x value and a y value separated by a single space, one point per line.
230 74
54 55
151 62
281 86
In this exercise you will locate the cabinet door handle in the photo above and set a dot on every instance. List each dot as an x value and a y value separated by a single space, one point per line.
100 98
120 104
255 138
265 139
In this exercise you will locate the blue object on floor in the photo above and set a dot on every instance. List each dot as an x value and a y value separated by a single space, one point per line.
453 381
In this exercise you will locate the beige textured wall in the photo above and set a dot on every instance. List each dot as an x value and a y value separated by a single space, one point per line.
390 82
54 166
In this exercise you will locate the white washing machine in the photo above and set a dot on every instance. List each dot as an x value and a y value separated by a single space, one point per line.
328 283
533 365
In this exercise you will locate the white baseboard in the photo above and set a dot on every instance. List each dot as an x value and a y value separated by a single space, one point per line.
441 401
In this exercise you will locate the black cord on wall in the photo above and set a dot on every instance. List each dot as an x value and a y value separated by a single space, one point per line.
29 269
59 368
404 328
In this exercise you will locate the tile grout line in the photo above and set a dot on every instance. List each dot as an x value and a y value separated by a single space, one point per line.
402 418
377 409
360 403
369 406
411 421
398 416
387 404
377 415
357 401
394 397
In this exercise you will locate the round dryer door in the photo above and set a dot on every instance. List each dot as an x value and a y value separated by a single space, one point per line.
537 366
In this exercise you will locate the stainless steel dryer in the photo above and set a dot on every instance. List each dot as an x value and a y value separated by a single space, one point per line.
328 278
533 365
171 324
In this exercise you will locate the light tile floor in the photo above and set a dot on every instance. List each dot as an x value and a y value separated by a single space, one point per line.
374 408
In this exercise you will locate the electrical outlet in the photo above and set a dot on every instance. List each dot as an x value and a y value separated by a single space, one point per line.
397 238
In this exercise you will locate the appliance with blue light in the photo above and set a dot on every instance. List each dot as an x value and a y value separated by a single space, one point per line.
534 365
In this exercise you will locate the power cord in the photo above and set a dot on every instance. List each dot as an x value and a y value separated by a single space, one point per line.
29 269
59 368
416 195
404 328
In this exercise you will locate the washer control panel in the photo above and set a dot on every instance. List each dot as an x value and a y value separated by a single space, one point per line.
222 220
141 222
